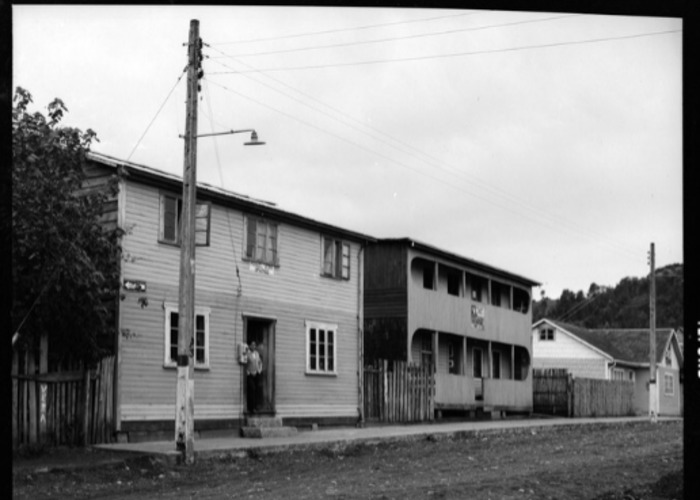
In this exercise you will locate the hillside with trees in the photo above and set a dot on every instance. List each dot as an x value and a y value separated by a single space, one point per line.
625 305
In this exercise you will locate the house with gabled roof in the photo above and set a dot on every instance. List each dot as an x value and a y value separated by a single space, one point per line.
614 354
289 283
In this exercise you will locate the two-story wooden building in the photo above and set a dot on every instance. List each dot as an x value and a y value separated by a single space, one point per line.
263 274
471 321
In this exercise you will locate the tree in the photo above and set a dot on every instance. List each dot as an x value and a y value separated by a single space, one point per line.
65 264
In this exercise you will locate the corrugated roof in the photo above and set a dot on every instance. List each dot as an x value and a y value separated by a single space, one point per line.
623 344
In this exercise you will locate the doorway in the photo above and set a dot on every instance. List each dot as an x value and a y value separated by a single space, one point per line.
262 332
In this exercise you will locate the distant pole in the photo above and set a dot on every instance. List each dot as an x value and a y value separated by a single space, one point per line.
653 391
184 418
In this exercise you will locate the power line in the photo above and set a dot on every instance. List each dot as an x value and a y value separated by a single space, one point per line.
392 160
453 54
157 113
432 160
221 178
406 37
340 30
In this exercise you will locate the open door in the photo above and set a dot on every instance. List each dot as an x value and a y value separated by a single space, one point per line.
262 332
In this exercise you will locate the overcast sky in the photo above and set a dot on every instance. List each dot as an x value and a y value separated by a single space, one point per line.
547 144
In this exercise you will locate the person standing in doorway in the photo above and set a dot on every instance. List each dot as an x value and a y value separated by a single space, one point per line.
253 371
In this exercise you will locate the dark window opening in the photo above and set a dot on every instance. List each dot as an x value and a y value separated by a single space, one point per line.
454 278
496 364
521 300
429 276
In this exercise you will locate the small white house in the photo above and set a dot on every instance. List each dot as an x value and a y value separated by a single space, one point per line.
614 354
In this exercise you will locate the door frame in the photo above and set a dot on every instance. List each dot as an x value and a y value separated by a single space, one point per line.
269 342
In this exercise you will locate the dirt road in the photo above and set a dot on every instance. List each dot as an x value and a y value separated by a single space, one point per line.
630 461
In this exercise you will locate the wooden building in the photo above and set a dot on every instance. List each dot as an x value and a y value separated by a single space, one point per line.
614 354
263 274
471 321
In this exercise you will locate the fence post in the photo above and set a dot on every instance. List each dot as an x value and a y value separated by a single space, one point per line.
570 396
86 405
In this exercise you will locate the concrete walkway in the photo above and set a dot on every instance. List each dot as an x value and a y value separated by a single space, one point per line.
233 445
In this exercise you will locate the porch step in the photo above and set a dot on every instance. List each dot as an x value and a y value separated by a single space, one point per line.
267 432
266 426
263 421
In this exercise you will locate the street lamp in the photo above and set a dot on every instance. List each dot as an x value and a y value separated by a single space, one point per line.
253 136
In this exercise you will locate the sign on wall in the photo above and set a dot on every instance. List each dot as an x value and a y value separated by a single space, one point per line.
478 317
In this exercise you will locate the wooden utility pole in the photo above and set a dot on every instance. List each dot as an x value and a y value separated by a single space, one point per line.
653 389
184 418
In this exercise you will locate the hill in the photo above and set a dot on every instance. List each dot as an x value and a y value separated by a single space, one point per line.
626 305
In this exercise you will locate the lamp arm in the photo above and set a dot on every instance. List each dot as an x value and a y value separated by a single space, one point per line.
223 133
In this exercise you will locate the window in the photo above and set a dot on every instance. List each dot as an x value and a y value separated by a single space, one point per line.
426 350
260 241
453 349
477 285
321 341
454 280
170 219
668 384
631 376
667 358
618 374
521 300
495 293
496 364
477 362
336 258
201 336
547 334
428 275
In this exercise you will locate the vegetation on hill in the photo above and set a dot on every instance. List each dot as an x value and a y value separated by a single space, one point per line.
625 305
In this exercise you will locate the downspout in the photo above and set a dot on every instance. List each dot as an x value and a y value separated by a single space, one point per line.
360 336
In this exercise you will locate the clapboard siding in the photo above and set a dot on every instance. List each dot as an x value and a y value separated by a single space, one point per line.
298 275
291 294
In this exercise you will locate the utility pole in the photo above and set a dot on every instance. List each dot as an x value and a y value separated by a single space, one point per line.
184 416
653 389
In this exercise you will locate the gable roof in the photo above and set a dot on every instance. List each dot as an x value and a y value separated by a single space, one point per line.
629 345
159 178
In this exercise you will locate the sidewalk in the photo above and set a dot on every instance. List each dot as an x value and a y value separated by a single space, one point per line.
233 445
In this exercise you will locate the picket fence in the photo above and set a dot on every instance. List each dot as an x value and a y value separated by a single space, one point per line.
73 408
395 391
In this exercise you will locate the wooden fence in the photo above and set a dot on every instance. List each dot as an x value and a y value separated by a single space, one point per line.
61 407
551 391
395 391
556 392
602 398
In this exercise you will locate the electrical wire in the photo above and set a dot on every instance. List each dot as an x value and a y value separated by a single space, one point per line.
221 178
392 160
453 54
406 37
340 30
157 113
435 161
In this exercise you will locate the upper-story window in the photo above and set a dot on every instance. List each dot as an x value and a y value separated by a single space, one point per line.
260 241
170 221
336 258
521 300
477 284
667 358
547 334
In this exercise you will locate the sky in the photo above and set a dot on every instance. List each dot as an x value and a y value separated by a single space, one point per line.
546 144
